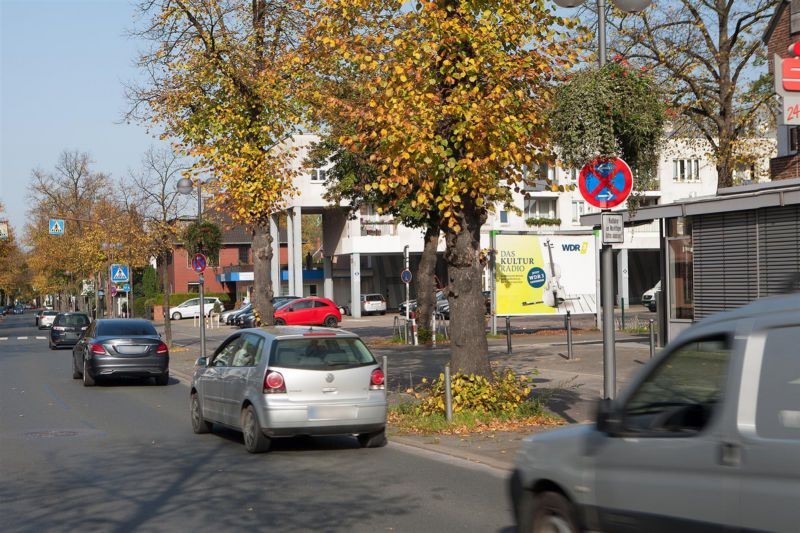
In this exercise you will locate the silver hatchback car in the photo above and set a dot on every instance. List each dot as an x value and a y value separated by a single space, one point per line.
288 381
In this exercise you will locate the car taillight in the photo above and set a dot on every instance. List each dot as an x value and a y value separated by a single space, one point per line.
274 383
377 379
97 349
162 349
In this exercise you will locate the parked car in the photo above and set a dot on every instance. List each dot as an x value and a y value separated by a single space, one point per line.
120 347
441 302
373 303
287 381
649 296
3 310
444 308
706 437
46 320
247 319
309 311
191 308
228 317
18 310
67 329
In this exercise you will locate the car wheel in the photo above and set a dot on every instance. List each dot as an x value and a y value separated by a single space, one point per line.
376 439
551 512
330 321
75 373
280 322
199 424
254 439
162 379
176 316
50 345
383 312
88 380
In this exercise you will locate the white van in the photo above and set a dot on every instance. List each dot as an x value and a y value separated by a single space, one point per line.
706 438
191 308
649 296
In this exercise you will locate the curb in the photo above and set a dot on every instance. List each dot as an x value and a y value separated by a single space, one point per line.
464 456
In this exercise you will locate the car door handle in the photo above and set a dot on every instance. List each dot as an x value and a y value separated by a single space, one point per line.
730 454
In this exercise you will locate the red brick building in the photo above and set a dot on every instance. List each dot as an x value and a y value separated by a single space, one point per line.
784 30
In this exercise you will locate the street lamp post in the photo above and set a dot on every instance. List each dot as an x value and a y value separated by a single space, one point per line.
607 252
185 186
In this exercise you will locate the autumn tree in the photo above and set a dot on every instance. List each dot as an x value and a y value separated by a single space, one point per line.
160 203
452 114
222 84
13 269
706 54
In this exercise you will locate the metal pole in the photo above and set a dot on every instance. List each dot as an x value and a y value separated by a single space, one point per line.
652 339
408 290
201 282
622 309
601 31
569 335
609 358
508 334
448 393
493 281
386 371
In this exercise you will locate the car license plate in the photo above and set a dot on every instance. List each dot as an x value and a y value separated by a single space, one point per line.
332 412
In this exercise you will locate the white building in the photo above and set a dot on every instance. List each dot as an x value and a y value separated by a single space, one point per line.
364 254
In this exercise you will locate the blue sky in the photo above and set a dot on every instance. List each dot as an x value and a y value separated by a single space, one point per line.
61 88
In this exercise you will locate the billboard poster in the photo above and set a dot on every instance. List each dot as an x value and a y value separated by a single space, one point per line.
545 274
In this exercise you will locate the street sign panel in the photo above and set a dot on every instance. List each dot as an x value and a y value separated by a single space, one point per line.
613 228
120 273
199 263
405 276
126 288
605 183
56 226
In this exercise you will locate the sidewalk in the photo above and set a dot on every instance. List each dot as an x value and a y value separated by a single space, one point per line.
572 387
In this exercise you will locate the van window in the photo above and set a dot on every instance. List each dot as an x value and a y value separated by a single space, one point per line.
778 403
680 394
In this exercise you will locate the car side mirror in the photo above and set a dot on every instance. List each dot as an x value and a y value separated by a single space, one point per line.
609 417
201 361
289 310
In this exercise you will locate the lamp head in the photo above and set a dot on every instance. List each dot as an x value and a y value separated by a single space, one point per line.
185 186
568 3
631 6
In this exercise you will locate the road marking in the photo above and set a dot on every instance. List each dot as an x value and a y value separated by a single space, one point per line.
3 338
22 338
41 338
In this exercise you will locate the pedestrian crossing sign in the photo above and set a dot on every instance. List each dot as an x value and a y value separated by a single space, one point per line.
119 274
56 226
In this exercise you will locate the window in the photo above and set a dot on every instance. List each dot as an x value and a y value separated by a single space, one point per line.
778 403
320 353
225 354
573 174
794 139
540 208
319 174
249 351
244 254
686 169
680 395
578 209
681 268
193 288
504 217
124 328
303 304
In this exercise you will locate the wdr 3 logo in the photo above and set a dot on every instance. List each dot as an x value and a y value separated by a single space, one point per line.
582 247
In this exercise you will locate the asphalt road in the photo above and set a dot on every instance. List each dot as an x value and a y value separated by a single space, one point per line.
122 457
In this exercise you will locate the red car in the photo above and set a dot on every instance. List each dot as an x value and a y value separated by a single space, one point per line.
308 312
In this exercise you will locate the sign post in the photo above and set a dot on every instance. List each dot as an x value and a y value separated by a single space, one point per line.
606 183
199 266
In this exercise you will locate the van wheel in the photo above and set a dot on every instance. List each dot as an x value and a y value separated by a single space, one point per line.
254 439
330 321
552 512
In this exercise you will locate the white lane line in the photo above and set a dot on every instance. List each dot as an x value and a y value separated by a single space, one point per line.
3 338
41 338
22 338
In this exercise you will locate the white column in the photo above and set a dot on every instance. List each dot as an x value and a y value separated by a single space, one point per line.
275 266
355 285
327 287
297 250
622 277
290 251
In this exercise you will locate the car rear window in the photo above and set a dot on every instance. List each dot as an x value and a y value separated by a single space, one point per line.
374 298
124 328
320 353
50 313
71 320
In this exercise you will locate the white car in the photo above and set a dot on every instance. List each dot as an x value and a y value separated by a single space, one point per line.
191 308
649 296
46 320
373 303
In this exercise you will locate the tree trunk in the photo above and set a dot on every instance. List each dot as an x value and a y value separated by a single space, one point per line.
469 350
725 158
165 301
262 278
426 286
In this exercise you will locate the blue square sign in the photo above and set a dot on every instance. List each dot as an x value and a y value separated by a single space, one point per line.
119 274
56 226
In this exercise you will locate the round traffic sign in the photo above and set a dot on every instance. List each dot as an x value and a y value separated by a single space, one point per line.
606 183
405 276
113 290
199 263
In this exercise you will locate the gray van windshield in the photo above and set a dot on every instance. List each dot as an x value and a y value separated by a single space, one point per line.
320 353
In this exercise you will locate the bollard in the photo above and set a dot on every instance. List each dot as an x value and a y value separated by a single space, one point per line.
386 371
508 334
568 320
414 330
434 330
652 339
448 394
622 318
